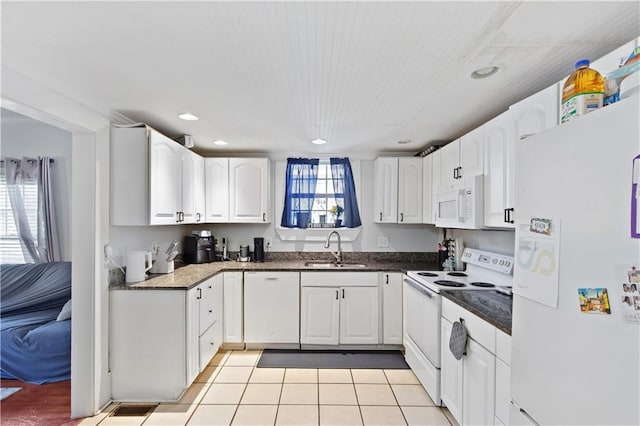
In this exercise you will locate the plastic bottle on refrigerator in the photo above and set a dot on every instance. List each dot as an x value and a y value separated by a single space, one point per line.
583 92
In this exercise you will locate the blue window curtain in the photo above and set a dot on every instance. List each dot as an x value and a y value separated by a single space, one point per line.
345 191
301 177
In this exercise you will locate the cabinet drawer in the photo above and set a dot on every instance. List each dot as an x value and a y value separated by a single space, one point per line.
477 328
503 346
339 279
271 276
208 345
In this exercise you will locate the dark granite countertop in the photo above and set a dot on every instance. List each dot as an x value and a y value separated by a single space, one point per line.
490 305
189 276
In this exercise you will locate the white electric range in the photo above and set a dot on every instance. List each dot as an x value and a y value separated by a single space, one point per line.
423 307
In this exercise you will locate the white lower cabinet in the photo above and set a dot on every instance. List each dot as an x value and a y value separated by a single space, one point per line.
450 375
478 389
271 308
158 343
339 308
391 284
233 309
475 388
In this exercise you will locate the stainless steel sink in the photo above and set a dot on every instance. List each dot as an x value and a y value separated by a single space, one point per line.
351 265
331 264
321 263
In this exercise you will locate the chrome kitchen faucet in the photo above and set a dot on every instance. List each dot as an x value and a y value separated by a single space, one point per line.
337 254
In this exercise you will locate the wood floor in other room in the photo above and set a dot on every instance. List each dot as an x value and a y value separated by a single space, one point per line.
37 405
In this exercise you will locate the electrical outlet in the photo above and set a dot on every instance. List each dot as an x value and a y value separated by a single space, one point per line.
267 242
383 242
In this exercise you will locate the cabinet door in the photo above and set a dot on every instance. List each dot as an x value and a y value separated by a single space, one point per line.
391 283
410 190
216 175
320 315
198 188
471 154
249 190
536 113
449 160
498 174
503 391
232 296
450 374
271 307
386 190
164 180
427 190
186 199
359 315
478 395
193 334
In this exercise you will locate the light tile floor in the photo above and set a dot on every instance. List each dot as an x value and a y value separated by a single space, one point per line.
232 391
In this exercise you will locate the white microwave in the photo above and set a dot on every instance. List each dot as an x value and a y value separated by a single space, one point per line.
462 208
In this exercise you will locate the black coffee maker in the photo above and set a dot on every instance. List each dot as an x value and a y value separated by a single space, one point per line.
199 248
258 249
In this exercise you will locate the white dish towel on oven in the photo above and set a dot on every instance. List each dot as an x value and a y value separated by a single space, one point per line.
458 339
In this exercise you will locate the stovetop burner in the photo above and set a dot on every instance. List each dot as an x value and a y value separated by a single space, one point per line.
449 283
457 274
482 284
427 274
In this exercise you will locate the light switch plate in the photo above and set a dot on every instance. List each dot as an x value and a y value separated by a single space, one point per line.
383 242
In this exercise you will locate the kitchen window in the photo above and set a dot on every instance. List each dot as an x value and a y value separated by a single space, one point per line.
317 198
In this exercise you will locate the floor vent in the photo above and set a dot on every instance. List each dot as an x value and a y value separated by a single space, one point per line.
133 410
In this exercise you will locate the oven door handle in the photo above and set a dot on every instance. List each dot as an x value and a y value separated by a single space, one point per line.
420 288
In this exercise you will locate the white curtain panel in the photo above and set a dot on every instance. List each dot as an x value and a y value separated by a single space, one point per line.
48 242
47 246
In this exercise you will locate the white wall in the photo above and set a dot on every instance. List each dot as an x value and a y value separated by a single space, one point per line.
123 238
31 138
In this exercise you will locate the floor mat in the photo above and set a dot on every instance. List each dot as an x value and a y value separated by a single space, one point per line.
279 358
5 392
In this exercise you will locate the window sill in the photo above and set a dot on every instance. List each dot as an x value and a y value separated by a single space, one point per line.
316 234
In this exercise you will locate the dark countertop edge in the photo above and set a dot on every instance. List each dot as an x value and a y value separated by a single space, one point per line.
265 267
500 325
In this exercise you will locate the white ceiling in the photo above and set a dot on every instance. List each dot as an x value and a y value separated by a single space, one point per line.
271 76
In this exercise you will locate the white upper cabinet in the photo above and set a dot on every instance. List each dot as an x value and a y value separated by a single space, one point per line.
428 190
153 179
237 190
198 188
386 190
249 190
448 158
165 179
459 159
398 190
187 199
536 113
471 153
216 189
499 172
410 190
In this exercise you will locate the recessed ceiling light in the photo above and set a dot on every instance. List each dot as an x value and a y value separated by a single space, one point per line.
485 72
405 141
220 142
188 116
318 141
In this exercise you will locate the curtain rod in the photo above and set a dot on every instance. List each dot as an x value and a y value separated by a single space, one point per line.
51 160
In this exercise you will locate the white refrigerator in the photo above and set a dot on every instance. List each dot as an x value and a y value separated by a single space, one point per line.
574 189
